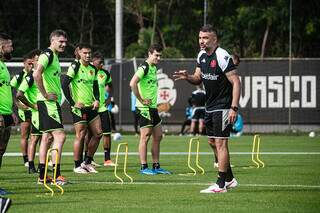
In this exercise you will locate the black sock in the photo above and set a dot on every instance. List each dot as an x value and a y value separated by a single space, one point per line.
229 176
31 165
58 170
77 163
25 158
221 179
144 166
85 154
41 170
88 160
107 154
156 165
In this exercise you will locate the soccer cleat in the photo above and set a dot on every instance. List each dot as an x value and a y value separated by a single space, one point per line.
80 170
4 204
61 180
41 181
95 164
232 184
32 170
109 163
89 168
214 189
147 171
162 171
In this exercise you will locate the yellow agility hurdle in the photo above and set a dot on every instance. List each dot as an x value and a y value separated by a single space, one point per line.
194 171
256 152
54 183
124 164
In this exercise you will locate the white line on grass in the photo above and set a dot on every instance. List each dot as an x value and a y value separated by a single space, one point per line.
203 184
16 154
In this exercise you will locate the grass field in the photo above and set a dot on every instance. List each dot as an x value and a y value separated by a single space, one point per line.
290 182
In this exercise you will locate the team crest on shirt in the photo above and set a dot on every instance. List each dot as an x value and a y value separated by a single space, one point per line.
213 63
167 94
101 76
91 72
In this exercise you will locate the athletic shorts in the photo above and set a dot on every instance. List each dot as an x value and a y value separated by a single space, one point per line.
8 120
24 115
49 116
148 117
217 125
105 122
84 115
35 126
198 113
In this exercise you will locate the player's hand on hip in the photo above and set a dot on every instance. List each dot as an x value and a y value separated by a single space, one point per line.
51 97
146 101
180 75
79 105
232 116
15 119
95 105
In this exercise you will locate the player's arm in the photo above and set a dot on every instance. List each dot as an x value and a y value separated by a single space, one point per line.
134 87
183 75
108 88
66 89
96 94
233 78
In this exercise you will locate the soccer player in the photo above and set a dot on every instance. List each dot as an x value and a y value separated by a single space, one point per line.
215 69
24 112
27 94
145 88
7 118
105 84
47 78
84 101
198 101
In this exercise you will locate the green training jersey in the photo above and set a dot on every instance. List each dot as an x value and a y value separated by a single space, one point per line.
18 78
50 75
16 82
5 90
104 79
82 82
148 84
29 88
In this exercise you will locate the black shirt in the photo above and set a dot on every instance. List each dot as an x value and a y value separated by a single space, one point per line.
213 75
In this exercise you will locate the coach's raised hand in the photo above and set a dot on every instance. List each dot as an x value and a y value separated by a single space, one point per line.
180 75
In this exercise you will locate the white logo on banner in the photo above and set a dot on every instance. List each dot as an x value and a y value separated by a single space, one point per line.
167 94
274 91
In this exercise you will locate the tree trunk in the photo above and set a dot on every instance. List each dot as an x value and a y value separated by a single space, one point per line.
264 42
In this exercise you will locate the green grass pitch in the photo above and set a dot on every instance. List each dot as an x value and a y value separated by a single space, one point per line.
290 182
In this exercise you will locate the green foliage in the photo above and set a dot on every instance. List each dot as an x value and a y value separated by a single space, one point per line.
136 50
242 25
171 52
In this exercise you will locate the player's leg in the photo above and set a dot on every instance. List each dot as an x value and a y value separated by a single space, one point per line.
5 132
24 118
35 137
44 145
106 130
145 123
95 129
50 122
80 130
31 152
